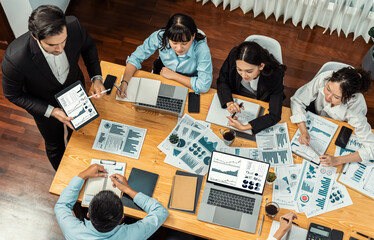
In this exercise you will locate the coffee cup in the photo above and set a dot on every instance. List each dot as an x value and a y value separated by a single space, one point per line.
228 136
271 209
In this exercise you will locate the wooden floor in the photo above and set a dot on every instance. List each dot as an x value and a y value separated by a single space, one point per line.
118 26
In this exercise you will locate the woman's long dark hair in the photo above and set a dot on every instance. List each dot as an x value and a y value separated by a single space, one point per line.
351 81
253 53
180 28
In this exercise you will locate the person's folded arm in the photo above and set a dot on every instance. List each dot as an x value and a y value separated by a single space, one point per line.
275 108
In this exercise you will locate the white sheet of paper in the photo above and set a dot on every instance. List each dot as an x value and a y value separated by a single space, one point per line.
217 114
294 233
142 90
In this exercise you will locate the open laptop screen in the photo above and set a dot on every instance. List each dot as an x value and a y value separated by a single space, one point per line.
238 172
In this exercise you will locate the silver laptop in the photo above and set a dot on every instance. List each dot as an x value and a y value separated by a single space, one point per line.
233 191
171 100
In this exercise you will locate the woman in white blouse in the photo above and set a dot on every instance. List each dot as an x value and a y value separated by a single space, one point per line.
337 95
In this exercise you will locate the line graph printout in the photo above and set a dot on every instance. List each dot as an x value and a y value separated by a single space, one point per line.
284 186
118 138
251 153
274 145
321 132
75 103
196 157
217 114
237 172
314 188
356 175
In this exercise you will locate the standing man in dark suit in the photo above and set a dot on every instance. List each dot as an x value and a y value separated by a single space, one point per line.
41 63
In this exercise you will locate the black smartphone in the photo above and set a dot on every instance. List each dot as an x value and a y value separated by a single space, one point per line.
109 83
336 235
193 102
343 137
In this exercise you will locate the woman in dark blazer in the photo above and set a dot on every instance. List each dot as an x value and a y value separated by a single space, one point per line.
251 71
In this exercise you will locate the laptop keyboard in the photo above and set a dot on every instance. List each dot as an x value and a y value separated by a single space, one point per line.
166 103
231 201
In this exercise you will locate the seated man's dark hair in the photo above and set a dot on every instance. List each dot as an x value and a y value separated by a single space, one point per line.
105 211
46 21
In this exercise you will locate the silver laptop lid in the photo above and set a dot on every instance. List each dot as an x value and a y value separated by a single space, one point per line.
238 172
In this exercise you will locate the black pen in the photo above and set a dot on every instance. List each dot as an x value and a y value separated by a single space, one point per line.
285 219
361 234
240 105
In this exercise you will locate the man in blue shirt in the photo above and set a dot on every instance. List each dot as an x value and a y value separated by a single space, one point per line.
106 211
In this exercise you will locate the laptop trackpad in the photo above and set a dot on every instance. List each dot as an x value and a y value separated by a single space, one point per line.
227 217
166 90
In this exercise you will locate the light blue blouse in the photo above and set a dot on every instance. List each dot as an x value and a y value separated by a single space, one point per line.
196 62
73 228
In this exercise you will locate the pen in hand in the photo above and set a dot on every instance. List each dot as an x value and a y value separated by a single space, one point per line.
240 105
119 89
287 220
100 92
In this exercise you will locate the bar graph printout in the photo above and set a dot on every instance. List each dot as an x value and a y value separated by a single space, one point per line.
118 138
274 146
356 175
321 132
314 188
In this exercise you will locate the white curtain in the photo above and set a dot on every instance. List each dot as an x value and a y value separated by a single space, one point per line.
347 16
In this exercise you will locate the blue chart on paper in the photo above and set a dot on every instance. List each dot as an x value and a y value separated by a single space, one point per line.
210 146
359 172
132 142
344 151
231 173
281 139
354 142
275 156
307 187
117 129
190 161
319 131
325 184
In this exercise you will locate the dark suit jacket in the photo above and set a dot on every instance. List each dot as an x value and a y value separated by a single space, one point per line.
269 89
28 80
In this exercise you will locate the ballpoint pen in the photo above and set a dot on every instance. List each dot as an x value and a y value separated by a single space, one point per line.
262 221
287 220
100 92
315 151
240 105
361 234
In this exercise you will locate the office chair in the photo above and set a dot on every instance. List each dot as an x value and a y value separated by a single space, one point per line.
269 44
331 66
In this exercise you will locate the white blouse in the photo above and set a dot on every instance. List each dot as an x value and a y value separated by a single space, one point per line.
353 112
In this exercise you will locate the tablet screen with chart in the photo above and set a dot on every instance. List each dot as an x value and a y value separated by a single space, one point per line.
238 172
75 103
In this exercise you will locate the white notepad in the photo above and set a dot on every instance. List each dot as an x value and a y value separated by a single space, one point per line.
142 90
294 233
95 185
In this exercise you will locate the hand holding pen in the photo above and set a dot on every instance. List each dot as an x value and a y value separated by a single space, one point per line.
234 107
95 95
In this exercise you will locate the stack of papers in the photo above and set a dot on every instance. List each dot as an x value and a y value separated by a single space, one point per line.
196 143
310 189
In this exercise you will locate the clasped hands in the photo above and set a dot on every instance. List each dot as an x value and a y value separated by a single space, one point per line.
326 160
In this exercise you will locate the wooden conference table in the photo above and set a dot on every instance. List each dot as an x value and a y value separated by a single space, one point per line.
79 152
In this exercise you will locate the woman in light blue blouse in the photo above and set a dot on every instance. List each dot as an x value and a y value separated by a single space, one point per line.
184 55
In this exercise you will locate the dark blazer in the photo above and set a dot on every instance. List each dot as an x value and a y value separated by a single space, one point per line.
269 89
28 80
